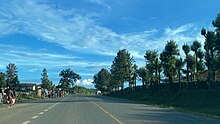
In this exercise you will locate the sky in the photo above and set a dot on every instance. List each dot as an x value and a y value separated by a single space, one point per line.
85 35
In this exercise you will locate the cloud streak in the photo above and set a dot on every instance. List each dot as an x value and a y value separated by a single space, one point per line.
76 31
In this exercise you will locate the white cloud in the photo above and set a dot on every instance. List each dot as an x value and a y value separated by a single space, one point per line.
101 2
73 30
179 30
84 82
80 32
22 56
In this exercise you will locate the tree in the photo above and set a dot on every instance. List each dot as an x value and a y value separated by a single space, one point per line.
216 24
179 65
121 68
186 49
210 43
190 61
195 48
68 78
2 80
45 82
152 65
168 60
102 80
134 75
143 74
11 75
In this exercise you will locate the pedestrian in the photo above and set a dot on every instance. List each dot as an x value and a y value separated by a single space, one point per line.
10 97
1 96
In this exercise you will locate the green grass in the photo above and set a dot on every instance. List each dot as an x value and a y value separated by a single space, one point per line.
202 102
27 98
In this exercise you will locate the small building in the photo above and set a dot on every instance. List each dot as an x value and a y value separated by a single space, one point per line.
27 87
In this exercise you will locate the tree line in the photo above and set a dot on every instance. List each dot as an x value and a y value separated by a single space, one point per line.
198 69
10 78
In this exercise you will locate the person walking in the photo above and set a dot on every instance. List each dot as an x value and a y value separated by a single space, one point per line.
10 97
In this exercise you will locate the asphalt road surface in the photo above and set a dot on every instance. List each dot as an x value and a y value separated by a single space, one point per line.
89 109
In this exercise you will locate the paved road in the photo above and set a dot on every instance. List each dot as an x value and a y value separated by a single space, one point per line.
88 109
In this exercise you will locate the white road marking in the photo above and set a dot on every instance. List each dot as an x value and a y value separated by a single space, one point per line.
108 113
41 113
26 122
35 117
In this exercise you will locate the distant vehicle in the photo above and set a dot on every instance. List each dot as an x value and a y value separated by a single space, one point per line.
98 92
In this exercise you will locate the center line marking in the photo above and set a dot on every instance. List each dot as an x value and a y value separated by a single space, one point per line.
26 122
41 113
46 110
34 117
107 113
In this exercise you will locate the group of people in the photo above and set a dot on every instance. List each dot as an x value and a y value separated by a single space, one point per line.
9 98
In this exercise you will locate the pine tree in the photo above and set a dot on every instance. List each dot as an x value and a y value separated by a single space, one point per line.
11 75
46 83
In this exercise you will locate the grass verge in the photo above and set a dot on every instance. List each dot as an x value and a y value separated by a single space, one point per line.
200 102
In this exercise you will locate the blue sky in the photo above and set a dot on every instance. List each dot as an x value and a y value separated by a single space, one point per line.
85 35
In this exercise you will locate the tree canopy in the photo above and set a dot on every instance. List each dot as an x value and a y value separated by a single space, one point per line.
45 82
102 80
68 78
11 75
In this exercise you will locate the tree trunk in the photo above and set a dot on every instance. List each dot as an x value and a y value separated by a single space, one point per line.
135 84
171 83
122 88
143 84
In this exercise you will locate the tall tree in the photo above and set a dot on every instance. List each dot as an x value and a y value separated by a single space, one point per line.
195 47
2 80
143 73
121 67
45 82
186 49
179 65
68 78
134 75
216 24
190 61
11 75
168 60
200 64
102 80
210 43
152 65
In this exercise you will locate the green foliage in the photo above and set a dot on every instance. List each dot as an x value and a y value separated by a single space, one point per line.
152 64
134 75
2 80
168 59
121 68
143 73
179 65
216 22
186 49
210 47
102 80
68 78
199 101
196 46
45 82
83 90
11 75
